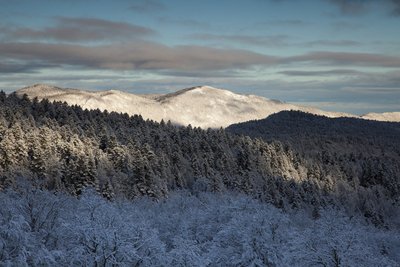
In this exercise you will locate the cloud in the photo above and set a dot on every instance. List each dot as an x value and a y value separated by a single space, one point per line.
335 72
204 73
147 6
139 55
346 58
395 7
80 29
357 7
32 67
273 40
144 55
351 7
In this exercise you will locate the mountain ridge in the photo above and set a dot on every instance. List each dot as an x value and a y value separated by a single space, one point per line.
384 116
200 106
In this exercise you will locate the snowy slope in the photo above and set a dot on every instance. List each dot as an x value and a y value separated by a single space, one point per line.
201 106
386 116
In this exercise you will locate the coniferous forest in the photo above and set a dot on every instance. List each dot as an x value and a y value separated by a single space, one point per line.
296 162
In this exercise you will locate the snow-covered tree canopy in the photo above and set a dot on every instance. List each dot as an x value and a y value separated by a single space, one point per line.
42 228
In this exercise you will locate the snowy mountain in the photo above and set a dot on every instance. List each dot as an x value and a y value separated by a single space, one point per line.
201 106
386 116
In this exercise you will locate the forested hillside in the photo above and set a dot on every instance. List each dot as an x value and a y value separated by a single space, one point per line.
364 154
65 148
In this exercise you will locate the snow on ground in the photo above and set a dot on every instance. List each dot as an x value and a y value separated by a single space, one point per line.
201 106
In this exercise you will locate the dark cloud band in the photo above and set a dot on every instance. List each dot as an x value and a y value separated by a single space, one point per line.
80 29
335 72
138 55
141 55
357 7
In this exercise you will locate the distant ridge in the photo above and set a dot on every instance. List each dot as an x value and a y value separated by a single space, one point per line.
200 106
386 116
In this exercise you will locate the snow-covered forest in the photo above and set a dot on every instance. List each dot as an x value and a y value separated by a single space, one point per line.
42 228
169 195
365 153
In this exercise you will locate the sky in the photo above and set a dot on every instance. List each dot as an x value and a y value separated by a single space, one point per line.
339 55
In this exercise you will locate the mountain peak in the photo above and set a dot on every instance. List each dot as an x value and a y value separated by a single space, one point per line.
195 89
199 88
207 91
38 86
40 90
